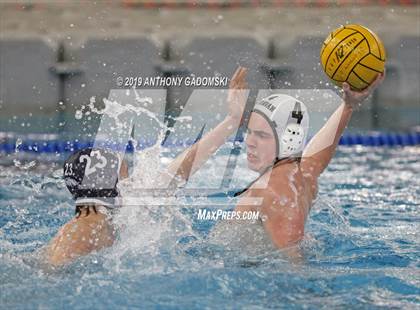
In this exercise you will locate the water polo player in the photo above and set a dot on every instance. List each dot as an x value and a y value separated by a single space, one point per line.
91 176
275 142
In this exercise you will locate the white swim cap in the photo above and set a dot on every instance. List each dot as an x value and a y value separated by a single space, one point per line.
289 119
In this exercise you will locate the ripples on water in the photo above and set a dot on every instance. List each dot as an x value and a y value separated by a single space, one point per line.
361 246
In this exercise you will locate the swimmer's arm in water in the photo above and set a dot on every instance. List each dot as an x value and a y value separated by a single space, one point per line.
188 162
316 155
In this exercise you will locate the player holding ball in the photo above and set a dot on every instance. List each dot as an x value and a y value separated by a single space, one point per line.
354 58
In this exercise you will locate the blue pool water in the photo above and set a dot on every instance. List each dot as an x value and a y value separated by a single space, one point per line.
361 248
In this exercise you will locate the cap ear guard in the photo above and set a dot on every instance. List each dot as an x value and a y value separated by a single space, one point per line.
291 141
293 137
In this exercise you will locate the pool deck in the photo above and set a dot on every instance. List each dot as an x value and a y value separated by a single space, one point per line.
68 20
72 23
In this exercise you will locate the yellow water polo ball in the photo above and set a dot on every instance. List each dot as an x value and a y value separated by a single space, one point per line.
353 54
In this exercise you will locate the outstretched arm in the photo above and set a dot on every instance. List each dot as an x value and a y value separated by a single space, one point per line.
188 162
316 155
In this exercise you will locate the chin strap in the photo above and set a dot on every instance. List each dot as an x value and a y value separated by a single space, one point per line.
277 162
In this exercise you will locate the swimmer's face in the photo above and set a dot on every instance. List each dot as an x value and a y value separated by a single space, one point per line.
260 143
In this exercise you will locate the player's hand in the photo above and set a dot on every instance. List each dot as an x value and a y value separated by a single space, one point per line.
355 98
237 94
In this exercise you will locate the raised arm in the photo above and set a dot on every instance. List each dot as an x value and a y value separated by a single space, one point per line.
189 161
316 155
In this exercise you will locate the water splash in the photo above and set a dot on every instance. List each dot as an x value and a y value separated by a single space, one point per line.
148 224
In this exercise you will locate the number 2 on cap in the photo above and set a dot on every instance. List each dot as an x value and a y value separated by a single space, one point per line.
101 164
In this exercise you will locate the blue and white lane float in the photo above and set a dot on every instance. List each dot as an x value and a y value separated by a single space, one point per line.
65 146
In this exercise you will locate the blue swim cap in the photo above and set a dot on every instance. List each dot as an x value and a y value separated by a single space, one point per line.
91 176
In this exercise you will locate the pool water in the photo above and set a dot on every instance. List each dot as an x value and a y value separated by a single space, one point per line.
361 248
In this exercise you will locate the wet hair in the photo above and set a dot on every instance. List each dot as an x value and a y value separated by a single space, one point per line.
80 208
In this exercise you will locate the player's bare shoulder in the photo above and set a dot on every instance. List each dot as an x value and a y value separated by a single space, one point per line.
292 181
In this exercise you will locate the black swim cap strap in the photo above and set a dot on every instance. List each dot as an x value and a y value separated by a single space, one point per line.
91 193
277 162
